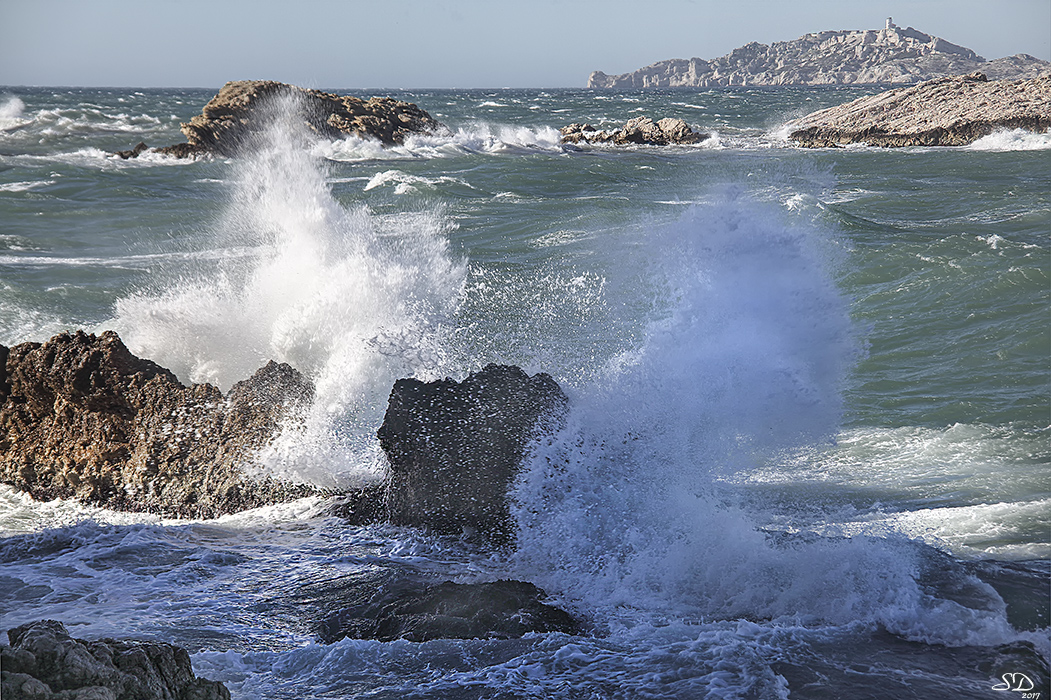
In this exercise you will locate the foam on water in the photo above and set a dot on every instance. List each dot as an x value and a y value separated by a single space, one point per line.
352 300
477 138
621 513
1013 140
11 109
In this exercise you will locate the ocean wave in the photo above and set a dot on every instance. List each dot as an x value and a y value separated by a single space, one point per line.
480 138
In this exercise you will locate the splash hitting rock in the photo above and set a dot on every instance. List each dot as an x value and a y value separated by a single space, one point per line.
243 109
455 448
81 417
44 662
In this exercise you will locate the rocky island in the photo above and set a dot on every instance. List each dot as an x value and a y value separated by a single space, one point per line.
888 55
244 109
942 112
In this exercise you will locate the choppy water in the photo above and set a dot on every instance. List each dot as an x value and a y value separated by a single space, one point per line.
807 455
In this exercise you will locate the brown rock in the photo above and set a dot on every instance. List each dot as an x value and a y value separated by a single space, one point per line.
83 418
640 130
943 112
244 109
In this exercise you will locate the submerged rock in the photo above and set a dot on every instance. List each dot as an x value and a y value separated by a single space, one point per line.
494 610
243 109
943 112
455 448
81 417
43 662
640 130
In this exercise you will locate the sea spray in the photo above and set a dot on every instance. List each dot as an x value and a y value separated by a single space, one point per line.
352 300
627 512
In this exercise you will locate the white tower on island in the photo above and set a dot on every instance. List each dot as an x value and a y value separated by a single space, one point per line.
890 23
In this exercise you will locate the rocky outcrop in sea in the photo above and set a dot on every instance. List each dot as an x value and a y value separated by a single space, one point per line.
244 109
82 417
44 663
943 112
888 55
400 607
638 131
455 449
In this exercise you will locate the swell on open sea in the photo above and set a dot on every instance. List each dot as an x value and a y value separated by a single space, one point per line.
808 442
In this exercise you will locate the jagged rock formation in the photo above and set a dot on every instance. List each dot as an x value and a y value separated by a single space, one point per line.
942 112
889 55
402 608
81 417
243 109
455 448
44 663
640 130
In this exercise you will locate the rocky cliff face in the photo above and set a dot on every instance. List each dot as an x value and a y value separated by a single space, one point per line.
941 112
889 55
81 417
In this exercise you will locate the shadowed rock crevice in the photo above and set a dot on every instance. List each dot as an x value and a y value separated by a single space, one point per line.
82 417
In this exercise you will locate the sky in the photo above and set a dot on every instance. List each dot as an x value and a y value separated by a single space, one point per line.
447 43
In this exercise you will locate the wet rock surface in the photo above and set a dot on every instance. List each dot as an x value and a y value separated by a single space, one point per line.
455 448
81 417
233 120
943 112
403 607
44 663
639 131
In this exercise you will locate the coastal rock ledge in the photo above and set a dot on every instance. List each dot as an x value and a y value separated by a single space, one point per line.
82 417
943 112
244 109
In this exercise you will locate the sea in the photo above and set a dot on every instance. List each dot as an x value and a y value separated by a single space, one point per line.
807 448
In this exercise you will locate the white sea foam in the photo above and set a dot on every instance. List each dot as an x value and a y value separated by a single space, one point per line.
1013 140
479 138
352 300
11 109
619 511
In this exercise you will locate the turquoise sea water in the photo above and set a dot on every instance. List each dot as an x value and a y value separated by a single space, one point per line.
809 442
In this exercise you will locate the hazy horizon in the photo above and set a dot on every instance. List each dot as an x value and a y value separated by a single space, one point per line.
452 44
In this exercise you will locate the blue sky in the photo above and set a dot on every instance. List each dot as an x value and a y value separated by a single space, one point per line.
447 43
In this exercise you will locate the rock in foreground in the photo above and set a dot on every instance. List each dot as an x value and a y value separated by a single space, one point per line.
943 112
243 109
495 610
639 131
81 417
45 663
455 448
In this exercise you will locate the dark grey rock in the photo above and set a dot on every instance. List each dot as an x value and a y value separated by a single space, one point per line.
402 609
640 131
44 663
455 448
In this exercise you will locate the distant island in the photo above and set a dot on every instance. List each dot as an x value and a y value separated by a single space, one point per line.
888 55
